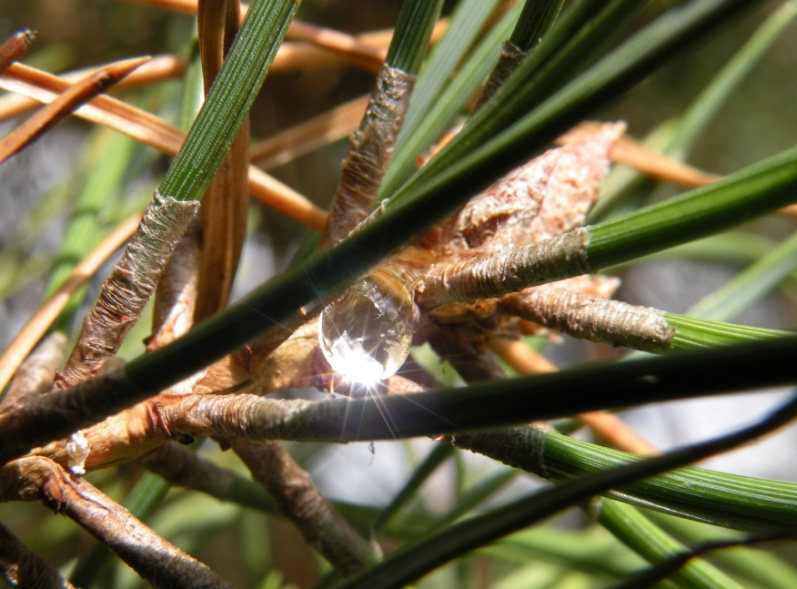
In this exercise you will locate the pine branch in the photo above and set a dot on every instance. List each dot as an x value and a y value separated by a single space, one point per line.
299 500
156 560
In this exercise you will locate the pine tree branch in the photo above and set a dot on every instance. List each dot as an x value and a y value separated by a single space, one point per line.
156 560
597 319
298 499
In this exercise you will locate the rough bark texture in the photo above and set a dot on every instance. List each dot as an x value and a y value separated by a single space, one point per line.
511 58
518 447
497 274
175 295
548 196
593 318
182 467
162 564
370 150
127 290
300 501
60 413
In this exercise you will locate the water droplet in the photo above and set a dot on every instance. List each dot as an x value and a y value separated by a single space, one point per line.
366 334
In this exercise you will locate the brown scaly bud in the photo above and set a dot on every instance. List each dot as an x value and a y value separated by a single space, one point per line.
546 197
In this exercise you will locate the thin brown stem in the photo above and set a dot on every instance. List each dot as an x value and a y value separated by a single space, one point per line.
457 345
35 375
597 319
182 467
300 501
224 205
176 293
55 112
629 152
346 46
156 560
15 47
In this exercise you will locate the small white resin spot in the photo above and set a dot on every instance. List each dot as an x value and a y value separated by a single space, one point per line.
77 449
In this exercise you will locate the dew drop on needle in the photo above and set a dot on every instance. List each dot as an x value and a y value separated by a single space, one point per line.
365 335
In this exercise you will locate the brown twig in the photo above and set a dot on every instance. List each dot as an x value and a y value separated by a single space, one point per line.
496 274
182 467
300 501
597 319
55 112
175 296
22 568
40 322
347 46
15 47
156 560
299 56
457 345
156 133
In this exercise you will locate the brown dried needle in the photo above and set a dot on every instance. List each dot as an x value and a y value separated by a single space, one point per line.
61 107
15 47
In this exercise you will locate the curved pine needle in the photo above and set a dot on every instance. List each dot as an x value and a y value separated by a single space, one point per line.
15 47
41 320
60 108
157 69
180 6
152 131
